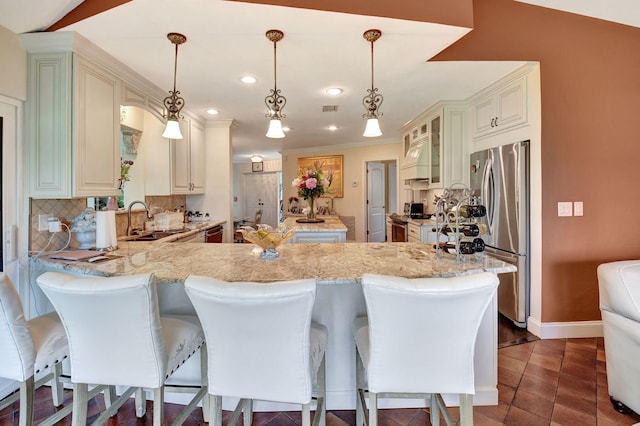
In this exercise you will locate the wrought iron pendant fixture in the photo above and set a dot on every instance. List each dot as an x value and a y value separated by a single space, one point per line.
373 99
174 103
275 101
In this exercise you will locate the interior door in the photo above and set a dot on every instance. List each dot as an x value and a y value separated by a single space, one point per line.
376 224
261 190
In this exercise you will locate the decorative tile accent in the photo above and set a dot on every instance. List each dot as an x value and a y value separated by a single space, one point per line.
67 209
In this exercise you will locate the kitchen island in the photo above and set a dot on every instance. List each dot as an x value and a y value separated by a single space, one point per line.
337 267
332 230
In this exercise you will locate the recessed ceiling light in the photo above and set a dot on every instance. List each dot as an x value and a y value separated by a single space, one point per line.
247 79
285 129
212 111
333 91
333 128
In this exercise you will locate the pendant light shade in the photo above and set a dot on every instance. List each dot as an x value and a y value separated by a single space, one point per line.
275 129
174 103
275 101
373 99
172 131
373 128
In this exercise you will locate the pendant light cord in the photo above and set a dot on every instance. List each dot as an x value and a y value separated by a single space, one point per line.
175 69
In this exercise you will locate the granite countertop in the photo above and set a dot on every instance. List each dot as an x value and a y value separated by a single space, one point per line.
189 229
330 224
326 262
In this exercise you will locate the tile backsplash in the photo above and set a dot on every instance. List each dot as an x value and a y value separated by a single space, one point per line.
67 209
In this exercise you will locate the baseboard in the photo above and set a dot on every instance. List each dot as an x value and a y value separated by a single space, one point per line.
565 330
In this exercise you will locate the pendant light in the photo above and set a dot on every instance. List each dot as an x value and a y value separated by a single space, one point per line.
275 101
373 99
174 103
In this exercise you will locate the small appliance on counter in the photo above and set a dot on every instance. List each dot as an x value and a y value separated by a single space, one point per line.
198 217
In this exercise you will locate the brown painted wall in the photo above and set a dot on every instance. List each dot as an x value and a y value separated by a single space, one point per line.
450 12
590 114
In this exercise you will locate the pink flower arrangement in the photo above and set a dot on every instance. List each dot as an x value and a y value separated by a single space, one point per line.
312 182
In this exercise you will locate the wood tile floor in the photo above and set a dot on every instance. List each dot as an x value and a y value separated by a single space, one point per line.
541 382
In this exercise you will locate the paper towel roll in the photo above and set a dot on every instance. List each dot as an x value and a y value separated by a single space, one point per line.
106 229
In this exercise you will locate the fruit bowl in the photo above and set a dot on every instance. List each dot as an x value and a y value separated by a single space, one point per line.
267 238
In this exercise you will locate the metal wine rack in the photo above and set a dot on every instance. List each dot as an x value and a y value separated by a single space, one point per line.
448 209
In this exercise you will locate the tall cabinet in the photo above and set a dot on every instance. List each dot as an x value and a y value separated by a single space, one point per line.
73 125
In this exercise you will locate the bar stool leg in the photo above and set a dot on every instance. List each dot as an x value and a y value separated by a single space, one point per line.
56 386
434 411
466 409
27 389
141 402
158 403
216 409
80 401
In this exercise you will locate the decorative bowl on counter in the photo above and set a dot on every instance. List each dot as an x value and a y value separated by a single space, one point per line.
267 238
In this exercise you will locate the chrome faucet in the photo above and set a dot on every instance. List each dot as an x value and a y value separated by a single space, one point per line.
129 214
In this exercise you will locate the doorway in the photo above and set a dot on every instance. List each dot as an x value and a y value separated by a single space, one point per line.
381 195
262 193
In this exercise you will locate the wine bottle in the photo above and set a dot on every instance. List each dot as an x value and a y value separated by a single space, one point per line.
468 211
467 229
478 245
466 247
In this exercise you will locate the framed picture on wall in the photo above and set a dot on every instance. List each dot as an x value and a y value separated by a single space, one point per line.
257 166
327 163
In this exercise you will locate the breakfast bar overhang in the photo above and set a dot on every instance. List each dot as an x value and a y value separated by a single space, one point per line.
337 267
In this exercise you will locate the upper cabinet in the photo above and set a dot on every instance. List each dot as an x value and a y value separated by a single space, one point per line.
435 156
188 159
75 91
74 129
499 108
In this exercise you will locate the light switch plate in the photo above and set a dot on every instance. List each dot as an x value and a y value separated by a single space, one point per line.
43 221
565 208
578 208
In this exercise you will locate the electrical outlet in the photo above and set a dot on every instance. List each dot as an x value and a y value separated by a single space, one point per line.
43 221
565 208
54 225
578 208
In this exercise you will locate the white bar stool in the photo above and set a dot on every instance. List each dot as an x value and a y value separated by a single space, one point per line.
418 341
26 349
117 338
263 343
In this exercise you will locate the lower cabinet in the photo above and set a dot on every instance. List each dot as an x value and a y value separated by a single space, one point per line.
422 233
319 237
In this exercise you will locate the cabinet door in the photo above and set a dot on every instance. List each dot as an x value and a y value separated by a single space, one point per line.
49 120
96 131
413 232
435 151
180 157
188 159
197 159
501 109
511 105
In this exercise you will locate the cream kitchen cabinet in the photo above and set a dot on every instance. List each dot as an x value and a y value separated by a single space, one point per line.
188 159
437 150
74 126
499 108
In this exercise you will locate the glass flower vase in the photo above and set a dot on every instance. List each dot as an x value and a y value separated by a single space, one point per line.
312 209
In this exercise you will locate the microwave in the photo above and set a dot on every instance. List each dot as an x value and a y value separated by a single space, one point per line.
414 209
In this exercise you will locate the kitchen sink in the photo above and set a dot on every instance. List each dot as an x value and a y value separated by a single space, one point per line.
156 235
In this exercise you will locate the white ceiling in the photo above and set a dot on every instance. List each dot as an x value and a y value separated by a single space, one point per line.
319 50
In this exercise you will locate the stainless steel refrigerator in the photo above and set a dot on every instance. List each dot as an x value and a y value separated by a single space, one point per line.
500 177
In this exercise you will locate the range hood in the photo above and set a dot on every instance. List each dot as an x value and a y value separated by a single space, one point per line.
416 161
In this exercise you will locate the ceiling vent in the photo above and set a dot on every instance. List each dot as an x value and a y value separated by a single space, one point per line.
329 108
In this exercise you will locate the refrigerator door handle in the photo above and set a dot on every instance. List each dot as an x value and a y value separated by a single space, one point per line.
488 194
